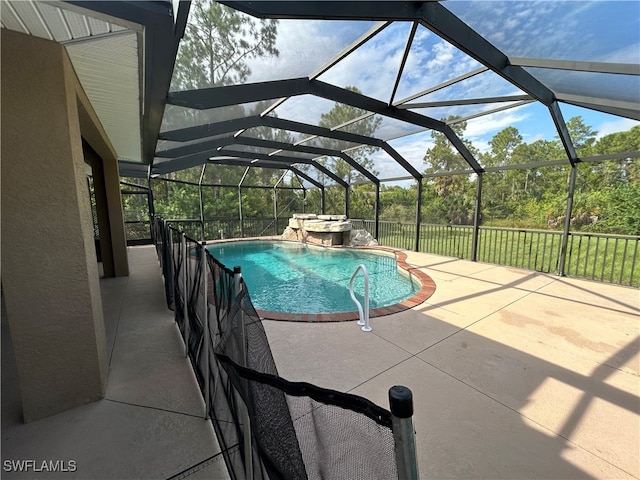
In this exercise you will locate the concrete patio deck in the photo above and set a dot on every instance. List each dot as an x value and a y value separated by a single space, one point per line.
515 374
150 423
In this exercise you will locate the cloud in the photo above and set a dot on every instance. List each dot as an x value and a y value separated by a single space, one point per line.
534 28
413 148
570 30
628 54
511 26
304 47
491 124
304 108
432 61
614 126
374 66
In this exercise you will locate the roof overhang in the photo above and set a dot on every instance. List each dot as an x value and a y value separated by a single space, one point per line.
123 53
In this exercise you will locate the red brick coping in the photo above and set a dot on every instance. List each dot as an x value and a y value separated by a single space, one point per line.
427 288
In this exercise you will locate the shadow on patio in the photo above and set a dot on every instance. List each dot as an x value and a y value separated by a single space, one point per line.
515 374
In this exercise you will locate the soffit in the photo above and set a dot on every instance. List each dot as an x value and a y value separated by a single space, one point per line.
105 54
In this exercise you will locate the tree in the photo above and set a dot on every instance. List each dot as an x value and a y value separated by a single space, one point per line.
339 115
215 50
362 198
610 190
503 146
217 43
502 188
398 203
623 171
582 136
454 193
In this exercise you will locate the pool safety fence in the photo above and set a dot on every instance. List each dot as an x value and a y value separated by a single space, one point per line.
266 426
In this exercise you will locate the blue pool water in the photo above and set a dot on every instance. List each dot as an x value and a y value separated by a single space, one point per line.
296 278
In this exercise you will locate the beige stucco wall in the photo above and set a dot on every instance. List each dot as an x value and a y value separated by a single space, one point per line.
49 268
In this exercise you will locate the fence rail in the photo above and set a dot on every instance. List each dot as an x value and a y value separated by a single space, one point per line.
604 258
137 232
612 259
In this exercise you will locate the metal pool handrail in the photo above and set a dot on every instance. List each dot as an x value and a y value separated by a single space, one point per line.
364 316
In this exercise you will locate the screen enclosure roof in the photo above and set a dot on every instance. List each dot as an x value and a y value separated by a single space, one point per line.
352 80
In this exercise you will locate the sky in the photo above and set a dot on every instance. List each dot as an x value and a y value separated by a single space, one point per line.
599 31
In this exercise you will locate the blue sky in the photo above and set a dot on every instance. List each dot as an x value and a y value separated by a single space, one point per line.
602 31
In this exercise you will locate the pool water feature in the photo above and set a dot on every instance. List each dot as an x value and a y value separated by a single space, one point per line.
294 278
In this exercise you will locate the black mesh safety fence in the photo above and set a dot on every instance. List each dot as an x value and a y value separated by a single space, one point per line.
276 428
189 301
155 233
301 431
167 265
178 255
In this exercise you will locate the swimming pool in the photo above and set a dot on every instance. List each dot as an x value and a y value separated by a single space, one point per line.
289 278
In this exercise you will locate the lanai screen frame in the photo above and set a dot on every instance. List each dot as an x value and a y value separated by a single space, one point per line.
434 17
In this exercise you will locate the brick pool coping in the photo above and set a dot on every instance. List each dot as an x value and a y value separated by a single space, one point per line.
427 288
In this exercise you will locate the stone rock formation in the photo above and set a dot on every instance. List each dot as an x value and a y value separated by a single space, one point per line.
320 229
362 238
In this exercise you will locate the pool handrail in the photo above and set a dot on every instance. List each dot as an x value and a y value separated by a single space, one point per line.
364 315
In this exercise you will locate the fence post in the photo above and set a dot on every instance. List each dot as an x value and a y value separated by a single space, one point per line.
401 406
207 333
163 243
476 218
244 175
275 209
246 421
347 199
152 226
376 233
304 200
150 205
562 262
418 215
202 233
185 310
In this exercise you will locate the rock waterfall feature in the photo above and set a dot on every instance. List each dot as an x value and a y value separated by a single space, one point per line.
325 230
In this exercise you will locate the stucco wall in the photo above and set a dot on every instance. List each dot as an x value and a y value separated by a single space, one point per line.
49 268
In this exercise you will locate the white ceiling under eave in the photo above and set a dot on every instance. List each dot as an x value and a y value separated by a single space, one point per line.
105 56
108 71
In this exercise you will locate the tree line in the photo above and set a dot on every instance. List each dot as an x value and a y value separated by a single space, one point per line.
606 198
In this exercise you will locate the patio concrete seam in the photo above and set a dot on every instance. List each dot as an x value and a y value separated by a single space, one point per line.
635 311
380 373
488 267
197 467
153 408
547 276
556 434
389 341
460 275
